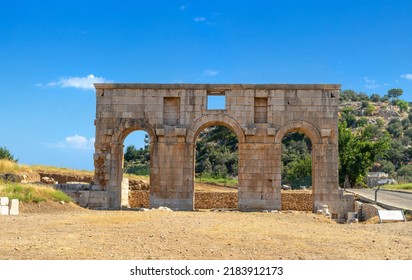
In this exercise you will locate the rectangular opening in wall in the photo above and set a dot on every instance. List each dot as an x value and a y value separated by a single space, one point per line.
216 100
171 110
261 110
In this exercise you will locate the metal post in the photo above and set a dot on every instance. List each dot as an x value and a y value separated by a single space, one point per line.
376 194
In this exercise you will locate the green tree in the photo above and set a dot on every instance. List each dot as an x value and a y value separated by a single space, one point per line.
393 94
369 110
402 105
363 96
396 153
6 154
361 122
406 123
217 152
294 145
300 168
348 95
296 156
387 167
373 132
357 153
395 128
133 155
375 97
385 98
380 122
346 115
406 140
408 133
137 161
405 173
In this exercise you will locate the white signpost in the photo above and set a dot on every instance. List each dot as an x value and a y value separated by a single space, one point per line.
391 216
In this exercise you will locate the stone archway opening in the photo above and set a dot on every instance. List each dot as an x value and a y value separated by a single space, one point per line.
296 172
135 171
216 168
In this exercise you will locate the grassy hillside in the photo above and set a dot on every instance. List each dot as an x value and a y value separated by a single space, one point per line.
27 192
31 193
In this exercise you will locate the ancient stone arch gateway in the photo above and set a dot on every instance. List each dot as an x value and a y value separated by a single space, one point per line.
174 115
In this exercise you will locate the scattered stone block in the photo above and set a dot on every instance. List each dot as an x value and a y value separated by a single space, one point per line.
14 207
163 208
48 180
4 201
352 221
4 210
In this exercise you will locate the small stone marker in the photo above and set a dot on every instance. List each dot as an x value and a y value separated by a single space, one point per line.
391 216
14 207
9 207
4 210
4 201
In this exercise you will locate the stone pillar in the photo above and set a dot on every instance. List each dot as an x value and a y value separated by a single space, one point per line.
115 174
258 189
125 193
171 183
14 207
326 181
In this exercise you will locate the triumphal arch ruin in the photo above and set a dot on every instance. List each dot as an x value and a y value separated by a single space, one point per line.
174 115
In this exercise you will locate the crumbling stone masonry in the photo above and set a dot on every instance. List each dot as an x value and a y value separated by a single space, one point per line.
260 115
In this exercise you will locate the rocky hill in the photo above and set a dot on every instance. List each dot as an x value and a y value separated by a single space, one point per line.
373 111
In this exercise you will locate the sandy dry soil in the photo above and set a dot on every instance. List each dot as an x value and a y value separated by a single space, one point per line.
55 231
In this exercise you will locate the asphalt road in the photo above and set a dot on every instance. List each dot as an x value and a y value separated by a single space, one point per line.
401 200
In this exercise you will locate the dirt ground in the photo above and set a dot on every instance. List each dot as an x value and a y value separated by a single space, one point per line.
57 231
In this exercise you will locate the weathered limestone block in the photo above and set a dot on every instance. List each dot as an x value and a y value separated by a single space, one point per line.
14 207
125 193
4 210
4 201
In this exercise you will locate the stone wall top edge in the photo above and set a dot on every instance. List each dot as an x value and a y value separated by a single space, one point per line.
218 86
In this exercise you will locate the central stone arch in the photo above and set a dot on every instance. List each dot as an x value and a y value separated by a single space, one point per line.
299 126
215 120
212 120
314 136
174 115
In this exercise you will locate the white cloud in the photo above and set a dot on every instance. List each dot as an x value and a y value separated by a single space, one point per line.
210 72
199 19
183 7
78 82
75 142
370 84
407 76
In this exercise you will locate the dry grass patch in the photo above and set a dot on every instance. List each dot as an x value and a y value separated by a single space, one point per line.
32 193
7 166
60 170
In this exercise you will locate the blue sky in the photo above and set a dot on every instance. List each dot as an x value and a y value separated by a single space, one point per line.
52 51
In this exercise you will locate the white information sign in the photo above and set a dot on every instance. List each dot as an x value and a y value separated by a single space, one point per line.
391 215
